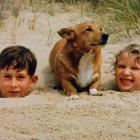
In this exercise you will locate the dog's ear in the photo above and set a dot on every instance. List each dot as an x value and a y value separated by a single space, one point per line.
67 33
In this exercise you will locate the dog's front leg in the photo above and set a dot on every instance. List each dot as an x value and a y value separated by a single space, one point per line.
97 75
95 87
69 89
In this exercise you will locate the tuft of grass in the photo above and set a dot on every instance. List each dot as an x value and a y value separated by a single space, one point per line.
126 12
116 15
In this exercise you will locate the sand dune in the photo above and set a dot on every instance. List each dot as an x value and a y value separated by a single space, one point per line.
46 114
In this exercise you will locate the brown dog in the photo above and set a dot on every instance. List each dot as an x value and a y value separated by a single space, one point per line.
76 58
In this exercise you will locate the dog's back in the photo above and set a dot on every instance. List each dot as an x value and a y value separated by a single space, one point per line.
55 52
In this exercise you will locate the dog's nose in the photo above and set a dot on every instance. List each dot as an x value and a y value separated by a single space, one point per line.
104 38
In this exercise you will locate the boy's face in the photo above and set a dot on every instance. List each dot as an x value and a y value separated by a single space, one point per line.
15 83
127 72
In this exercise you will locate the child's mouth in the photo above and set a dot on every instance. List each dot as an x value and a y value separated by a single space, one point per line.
126 81
14 93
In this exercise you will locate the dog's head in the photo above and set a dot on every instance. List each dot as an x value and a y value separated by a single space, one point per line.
88 34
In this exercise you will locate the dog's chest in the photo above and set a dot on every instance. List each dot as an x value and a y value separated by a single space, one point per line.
85 70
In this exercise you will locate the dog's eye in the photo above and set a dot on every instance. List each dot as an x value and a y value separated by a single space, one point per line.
100 29
89 29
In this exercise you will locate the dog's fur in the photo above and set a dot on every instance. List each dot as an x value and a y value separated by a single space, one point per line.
76 58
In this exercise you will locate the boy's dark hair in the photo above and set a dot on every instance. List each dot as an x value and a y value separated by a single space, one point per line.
19 57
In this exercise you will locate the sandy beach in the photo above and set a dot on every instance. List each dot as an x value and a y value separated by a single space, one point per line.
47 114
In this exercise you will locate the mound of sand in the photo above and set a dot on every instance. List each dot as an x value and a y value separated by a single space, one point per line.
46 114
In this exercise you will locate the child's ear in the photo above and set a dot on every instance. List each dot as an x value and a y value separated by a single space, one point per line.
34 79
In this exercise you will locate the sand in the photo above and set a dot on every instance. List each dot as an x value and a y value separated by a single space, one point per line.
47 114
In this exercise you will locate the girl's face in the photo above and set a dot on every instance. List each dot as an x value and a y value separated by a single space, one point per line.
127 72
15 83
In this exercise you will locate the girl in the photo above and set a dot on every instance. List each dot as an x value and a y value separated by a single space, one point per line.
127 68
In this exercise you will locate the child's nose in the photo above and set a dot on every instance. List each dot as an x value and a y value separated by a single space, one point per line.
127 71
13 82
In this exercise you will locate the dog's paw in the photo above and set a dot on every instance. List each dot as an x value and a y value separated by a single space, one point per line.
73 97
94 92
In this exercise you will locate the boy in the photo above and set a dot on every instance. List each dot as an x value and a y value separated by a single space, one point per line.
127 68
17 69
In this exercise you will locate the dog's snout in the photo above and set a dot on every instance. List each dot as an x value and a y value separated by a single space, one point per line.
104 38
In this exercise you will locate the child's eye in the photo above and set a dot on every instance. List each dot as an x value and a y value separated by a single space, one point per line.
135 68
121 66
21 77
7 76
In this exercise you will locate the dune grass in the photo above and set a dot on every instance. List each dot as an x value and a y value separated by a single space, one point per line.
116 15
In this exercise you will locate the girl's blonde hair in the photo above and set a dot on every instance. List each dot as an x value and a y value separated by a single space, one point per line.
133 49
